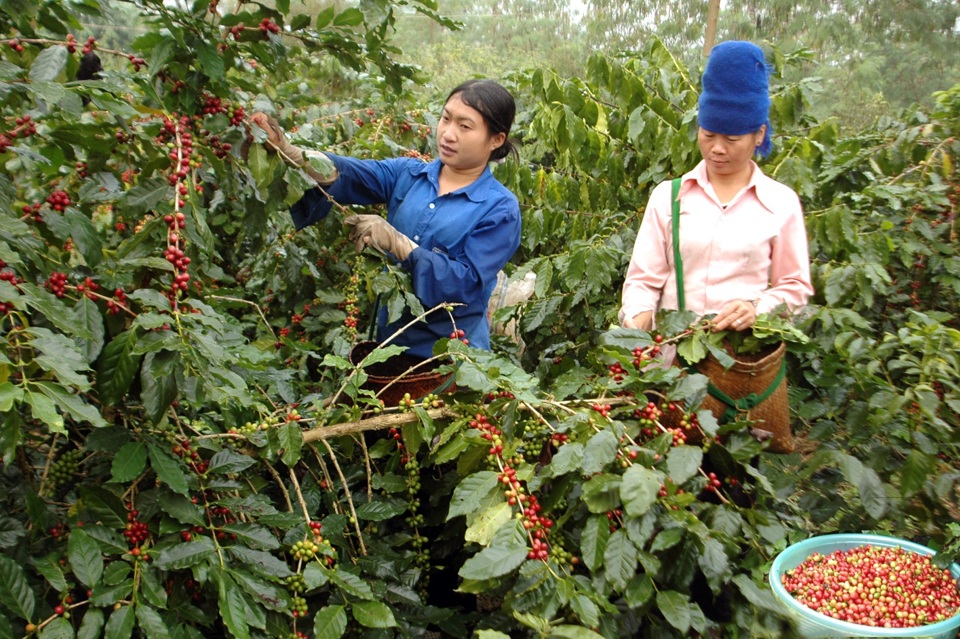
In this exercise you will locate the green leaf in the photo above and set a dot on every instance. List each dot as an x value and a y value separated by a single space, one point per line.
8 395
325 17
291 441
129 462
381 510
184 555
15 592
373 614
58 628
108 595
253 535
602 493
49 568
45 410
262 562
85 558
74 405
504 555
159 387
118 368
351 584
485 525
474 490
566 460
151 623
182 508
48 64
350 18
88 315
210 59
714 563
488 634
620 559
916 468
330 622
228 461
85 236
152 590
601 450
104 506
565 631
593 541
683 462
232 606
120 624
168 470
675 608
640 489
92 625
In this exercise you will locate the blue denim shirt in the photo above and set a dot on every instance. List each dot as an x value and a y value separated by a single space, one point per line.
465 237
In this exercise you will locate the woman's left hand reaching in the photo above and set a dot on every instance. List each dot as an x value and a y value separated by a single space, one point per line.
738 315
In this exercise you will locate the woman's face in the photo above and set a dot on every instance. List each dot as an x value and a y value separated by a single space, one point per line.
464 141
728 154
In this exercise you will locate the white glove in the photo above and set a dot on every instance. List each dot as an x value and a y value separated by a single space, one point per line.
378 233
293 155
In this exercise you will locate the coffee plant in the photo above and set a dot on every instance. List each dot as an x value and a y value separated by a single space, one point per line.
188 449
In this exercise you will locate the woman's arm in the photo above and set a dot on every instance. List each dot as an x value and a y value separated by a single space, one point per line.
439 277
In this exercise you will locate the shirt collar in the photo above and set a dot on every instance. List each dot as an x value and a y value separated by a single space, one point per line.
759 182
476 191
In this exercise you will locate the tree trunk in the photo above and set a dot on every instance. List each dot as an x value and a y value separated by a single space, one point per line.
713 16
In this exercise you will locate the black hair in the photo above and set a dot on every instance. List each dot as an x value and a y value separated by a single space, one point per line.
497 107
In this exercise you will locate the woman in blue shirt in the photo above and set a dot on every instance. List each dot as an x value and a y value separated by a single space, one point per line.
449 222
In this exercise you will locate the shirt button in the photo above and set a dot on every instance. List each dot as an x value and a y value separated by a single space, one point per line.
432 205
416 238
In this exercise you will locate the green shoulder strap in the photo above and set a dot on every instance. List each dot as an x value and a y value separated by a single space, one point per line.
677 262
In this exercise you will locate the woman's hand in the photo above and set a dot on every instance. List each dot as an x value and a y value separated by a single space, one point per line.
276 140
375 231
643 321
738 315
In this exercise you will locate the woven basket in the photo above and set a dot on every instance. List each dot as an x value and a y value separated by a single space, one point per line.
392 379
751 373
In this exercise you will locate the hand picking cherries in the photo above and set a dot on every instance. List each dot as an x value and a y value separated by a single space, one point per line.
875 586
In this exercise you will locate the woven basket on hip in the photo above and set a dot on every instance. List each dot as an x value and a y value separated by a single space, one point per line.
754 388
392 379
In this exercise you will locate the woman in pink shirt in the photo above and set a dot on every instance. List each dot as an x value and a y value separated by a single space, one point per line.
743 243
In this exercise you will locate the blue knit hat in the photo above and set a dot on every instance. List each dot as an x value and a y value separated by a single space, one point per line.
735 99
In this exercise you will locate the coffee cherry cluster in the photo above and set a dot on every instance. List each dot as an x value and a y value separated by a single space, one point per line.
118 303
351 291
15 45
304 550
59 200
236 30
25 127
138 63
460 335
643 354
65 468
57 283
135 531
11 277
89 288
298 606
602 409
617 372
296 583
490 433
875 586
647 417
268 26
89 45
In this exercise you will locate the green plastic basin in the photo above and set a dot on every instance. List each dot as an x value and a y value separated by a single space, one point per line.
813 624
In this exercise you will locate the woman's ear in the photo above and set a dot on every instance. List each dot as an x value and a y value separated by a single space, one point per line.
496 141
759 135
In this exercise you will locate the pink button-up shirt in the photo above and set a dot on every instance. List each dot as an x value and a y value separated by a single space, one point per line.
754 248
